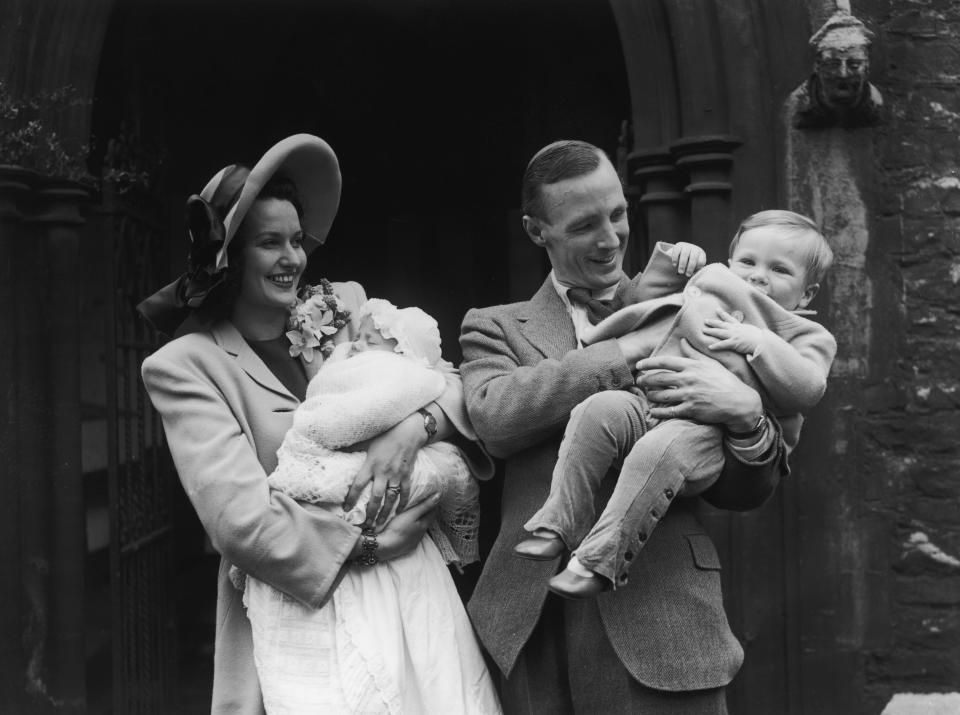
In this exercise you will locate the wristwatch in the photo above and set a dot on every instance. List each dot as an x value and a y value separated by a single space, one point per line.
755 432
429 423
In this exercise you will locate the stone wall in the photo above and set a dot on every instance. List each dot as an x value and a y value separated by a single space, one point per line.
909 426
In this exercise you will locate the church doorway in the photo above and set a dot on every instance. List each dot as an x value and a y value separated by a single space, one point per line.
433 109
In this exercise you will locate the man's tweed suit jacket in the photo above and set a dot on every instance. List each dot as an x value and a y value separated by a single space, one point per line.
522 376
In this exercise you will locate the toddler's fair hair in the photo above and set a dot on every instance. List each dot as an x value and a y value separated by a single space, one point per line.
819 256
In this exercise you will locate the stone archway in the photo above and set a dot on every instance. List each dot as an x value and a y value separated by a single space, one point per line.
505 84
49 45
704 80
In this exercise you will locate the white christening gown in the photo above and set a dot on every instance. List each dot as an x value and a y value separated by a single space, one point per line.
394 638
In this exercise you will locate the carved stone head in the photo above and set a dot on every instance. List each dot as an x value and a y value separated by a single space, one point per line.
842 62
838 91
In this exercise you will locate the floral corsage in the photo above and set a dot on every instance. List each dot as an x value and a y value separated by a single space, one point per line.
314 319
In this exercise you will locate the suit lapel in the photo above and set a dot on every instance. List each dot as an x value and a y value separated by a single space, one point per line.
546 323
229 338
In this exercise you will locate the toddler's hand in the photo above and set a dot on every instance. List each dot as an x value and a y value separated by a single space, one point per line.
731 334
687 258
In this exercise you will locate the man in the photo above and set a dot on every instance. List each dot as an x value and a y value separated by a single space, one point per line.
661 643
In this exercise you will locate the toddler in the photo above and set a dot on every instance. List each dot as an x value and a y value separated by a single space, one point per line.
749 316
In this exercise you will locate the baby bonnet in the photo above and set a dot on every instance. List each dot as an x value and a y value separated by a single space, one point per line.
416 333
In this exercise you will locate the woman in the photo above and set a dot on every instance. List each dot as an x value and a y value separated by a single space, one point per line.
227 391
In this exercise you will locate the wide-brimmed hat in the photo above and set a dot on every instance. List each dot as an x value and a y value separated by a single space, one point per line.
215 214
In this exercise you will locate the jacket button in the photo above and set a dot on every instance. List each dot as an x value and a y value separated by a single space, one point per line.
642 536
668 493
654 513
628 555
623 578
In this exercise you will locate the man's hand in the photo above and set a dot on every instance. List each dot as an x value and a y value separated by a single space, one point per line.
390 459
731 334
687 258
697 387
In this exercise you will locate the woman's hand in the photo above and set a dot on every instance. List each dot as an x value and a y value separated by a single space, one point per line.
404 531
390 459
697 387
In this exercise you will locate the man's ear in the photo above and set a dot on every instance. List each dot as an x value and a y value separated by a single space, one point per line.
808 294
534 229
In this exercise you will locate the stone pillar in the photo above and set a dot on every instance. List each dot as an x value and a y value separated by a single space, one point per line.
829 165
708 160
15 186
824 169
661 194
43 630
58 222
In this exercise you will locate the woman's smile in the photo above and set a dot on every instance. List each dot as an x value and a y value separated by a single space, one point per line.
284 280
284 283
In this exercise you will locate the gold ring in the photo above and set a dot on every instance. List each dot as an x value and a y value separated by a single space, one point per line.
394 489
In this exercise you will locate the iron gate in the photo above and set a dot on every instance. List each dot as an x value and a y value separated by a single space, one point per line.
139 473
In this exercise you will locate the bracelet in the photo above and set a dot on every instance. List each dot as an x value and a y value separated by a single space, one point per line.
368 548
755 432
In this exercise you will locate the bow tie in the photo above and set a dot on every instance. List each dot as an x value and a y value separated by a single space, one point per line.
597 310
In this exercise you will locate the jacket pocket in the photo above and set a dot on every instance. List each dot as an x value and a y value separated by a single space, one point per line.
704 552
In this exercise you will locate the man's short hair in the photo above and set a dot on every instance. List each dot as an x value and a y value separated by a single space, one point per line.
819 257
566 159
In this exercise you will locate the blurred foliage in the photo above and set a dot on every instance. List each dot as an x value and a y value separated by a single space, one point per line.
27 137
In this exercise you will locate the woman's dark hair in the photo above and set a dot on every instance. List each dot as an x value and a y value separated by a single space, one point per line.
280 187
219 304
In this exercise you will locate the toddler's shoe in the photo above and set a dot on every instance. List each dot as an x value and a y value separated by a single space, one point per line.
572 585
540 548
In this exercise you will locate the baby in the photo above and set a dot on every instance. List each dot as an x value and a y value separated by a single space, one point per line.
747 316
395 631
364 388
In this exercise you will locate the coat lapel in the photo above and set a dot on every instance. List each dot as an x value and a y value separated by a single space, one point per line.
546 323
229 338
